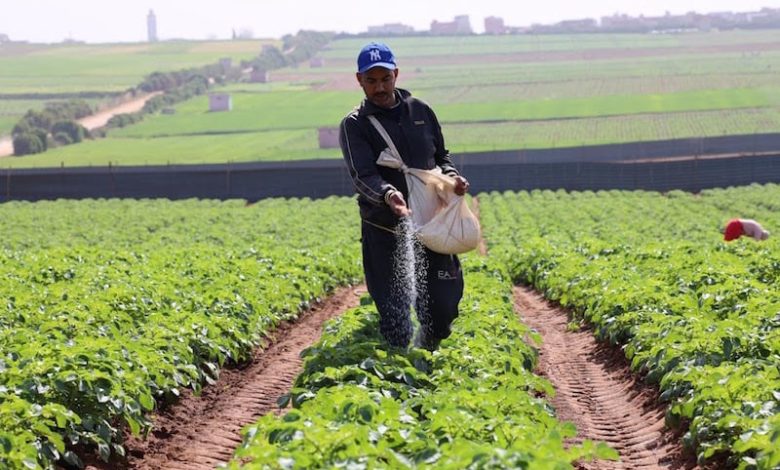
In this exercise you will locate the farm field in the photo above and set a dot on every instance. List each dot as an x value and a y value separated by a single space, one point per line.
492 93
107 322
129 322
652 274
107 68
31 75
472 404
115 311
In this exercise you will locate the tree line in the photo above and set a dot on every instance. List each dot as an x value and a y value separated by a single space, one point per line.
57 124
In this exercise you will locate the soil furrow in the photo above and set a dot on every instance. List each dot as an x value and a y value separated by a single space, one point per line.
200 432
596 390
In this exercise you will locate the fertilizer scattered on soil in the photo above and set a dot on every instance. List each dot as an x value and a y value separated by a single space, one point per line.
409 278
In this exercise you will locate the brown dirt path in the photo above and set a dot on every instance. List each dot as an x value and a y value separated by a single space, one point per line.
92 121
101 118
596 390
6 147
200 432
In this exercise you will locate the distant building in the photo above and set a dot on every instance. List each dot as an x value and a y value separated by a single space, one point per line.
494 25
151 26
459 26
621 23
225 63
391 28
328 137
586 25
220 102
258 76
463 24
243 33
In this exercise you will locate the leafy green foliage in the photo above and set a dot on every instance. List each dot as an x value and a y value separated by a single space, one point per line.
652 274
471 404
104 322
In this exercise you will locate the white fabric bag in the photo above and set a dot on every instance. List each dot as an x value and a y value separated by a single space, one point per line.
443 221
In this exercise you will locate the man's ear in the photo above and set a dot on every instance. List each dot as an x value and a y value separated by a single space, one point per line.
395 72
358 76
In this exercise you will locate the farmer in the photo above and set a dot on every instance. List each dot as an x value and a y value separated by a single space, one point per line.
382 195
735 228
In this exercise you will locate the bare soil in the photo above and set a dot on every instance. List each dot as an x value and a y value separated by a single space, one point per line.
597 392
101 118
200 432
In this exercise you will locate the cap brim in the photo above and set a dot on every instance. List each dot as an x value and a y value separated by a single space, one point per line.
386 65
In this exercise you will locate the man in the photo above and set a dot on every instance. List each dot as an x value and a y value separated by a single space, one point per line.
382 195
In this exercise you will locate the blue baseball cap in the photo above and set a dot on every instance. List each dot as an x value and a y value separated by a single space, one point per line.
375 54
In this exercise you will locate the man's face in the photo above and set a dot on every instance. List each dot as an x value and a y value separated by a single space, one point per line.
379 85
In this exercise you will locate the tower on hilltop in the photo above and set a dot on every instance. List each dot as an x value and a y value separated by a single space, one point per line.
151 26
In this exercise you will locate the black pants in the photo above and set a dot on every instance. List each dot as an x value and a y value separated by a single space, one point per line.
439 286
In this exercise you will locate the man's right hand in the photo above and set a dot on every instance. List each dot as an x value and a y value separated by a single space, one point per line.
398 205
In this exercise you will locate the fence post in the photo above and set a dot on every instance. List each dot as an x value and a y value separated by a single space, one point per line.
227 179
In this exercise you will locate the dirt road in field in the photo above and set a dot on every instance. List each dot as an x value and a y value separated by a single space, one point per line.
93 121
596 391
200 432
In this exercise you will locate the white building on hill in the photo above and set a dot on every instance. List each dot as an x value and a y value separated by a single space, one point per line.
220 102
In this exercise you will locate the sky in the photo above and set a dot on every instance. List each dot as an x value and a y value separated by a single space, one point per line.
99 21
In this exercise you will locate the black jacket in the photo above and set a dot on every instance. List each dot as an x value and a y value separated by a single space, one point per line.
416 133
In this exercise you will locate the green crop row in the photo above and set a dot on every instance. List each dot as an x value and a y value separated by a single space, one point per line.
299 110
499 45
585 70
474 403
587 87
652 273
106 320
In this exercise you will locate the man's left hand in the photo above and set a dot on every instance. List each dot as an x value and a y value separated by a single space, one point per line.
461 185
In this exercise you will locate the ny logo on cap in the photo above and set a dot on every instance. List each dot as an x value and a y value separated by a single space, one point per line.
375 55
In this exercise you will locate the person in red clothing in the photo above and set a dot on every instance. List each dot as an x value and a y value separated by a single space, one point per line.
735 228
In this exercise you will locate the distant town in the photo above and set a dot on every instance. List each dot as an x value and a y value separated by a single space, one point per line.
766 18
619 23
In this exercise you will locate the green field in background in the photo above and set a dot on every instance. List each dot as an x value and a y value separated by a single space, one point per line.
481 45
251 111
73 68
8 122
254 146
312 109
469 137
69 69
577 70
655 87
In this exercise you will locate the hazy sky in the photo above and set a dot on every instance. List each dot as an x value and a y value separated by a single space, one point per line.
125 20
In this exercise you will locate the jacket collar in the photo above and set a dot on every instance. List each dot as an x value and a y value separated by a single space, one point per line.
367 107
